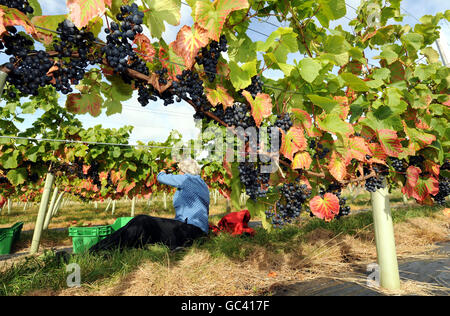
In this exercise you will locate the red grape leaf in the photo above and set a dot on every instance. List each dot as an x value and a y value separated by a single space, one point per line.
219 96
170 60
326 208
357 149
302 161
293 141
337 166
412 175
144 47
378 154
212 15
84 103
189 41
432 167
13 17
82 11
261 106
303 117
389 142
345 107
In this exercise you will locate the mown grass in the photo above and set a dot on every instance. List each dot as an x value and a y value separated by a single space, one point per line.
48 272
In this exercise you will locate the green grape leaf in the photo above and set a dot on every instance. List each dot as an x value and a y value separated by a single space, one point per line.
159 12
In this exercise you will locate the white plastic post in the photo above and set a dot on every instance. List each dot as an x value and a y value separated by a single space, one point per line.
3 76
133 205
50 208
50 179
385 241
113 207
9 206
58 203
165 201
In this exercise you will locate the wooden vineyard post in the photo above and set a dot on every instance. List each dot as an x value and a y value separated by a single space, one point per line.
50 179
385 241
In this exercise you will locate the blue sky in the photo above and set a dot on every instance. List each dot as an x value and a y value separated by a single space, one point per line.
155 121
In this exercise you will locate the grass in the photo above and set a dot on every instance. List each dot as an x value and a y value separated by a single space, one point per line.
47 273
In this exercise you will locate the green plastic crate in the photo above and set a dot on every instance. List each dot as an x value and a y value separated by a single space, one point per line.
84 238
120 222
8 236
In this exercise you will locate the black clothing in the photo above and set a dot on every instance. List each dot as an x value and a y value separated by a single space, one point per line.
144 229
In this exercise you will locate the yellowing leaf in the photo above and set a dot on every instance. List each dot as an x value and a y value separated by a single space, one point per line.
302 161
292 142
261 106
389 142
189 41
337 166
219 96
357 149
212 15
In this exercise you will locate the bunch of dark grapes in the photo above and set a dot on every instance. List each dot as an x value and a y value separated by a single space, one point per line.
72 67
374 183
118 50
210 57
21 5
321 151
398 164
4 180
189 85
238 116
444 190
254 181
145 93
417 161
255 87
28 67
289 206
162 76
284 122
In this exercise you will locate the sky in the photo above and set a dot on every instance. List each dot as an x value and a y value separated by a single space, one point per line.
155 121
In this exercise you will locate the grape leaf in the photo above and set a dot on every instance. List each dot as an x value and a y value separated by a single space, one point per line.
212 15
302 161
292 142
241 77
261 106
159 12
219 96
84 103
309 69
13 17
337 166
189 41
144 47
389 142
82 11
325 208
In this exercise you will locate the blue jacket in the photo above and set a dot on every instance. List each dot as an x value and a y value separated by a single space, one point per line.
191 200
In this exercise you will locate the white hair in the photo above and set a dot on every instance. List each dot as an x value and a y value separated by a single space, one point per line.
190 166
